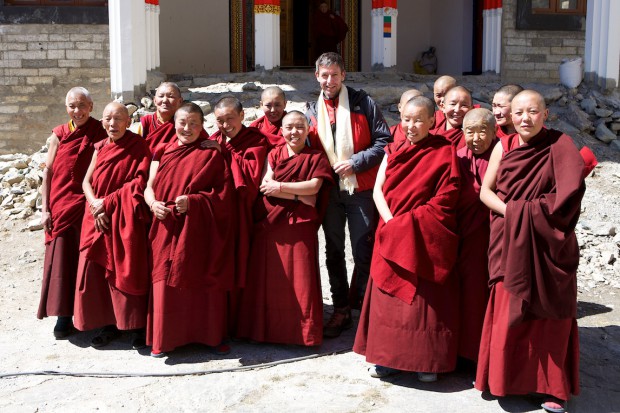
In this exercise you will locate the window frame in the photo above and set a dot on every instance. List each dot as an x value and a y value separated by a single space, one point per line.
554 8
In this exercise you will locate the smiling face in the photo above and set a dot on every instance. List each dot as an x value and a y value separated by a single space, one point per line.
78 108
115 120
501 110
457 103
273 105
330 79
529 114
295 131
441 87
416 122
167 100
228 121
478 136
188 126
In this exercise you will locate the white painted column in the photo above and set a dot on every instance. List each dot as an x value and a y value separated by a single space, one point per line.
156 55
492 36
383 34
602 54
149 34
127 48
266 34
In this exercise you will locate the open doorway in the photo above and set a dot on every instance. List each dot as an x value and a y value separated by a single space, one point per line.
300 24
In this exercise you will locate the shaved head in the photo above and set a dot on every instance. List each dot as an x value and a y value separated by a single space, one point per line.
479 116
420 102
406 96
530 95
509 91
442 85
76 92
116 106
443 81
272 91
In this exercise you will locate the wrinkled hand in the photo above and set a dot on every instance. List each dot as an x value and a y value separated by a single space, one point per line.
182 204
160 210
46 221
269 187
96 207
307 199
343 168
102 222
211 144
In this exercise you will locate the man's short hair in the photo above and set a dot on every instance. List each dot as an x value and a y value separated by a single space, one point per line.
227 102
78 91
328 59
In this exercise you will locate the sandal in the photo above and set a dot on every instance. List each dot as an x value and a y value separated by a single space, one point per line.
107 334
138 340
553 405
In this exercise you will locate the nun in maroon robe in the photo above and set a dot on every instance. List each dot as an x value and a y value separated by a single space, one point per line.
113 280
409 319
282 301
534 186
270 130
473 229
65 206
192 239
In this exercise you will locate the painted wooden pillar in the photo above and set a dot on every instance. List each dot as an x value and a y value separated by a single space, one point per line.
383 34
128 62
267 34
492 35
602 54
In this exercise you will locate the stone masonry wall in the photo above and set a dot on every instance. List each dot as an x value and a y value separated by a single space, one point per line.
39 63
535 55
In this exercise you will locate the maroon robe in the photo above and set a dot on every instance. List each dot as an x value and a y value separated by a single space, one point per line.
530 339
157 133
66 208
245 155
272 132
409 319
472 262
282 301
454 135
440 119
113 277
192 253
397 133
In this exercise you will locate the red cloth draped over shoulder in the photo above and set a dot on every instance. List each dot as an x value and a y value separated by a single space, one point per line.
119 178
397 133
156 133
440 119
534 247
272 132
195 249
75 150
454 135
420 241
308 164
245 154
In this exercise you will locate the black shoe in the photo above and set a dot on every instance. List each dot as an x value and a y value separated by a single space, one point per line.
138 339
107 334
64 327
339 321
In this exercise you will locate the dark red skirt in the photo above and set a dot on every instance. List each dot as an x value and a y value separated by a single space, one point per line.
536 356
99 304
421 337
179 316
282 301
59 273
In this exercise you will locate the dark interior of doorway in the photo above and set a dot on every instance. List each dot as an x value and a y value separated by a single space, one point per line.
477 38
297 49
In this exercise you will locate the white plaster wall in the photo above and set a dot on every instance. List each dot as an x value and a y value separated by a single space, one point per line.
194 36
451 29
365 36
414 32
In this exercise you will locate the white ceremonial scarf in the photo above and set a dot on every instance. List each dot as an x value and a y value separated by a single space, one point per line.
342 150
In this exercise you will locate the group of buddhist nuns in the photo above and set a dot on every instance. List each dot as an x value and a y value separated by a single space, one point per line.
179 237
